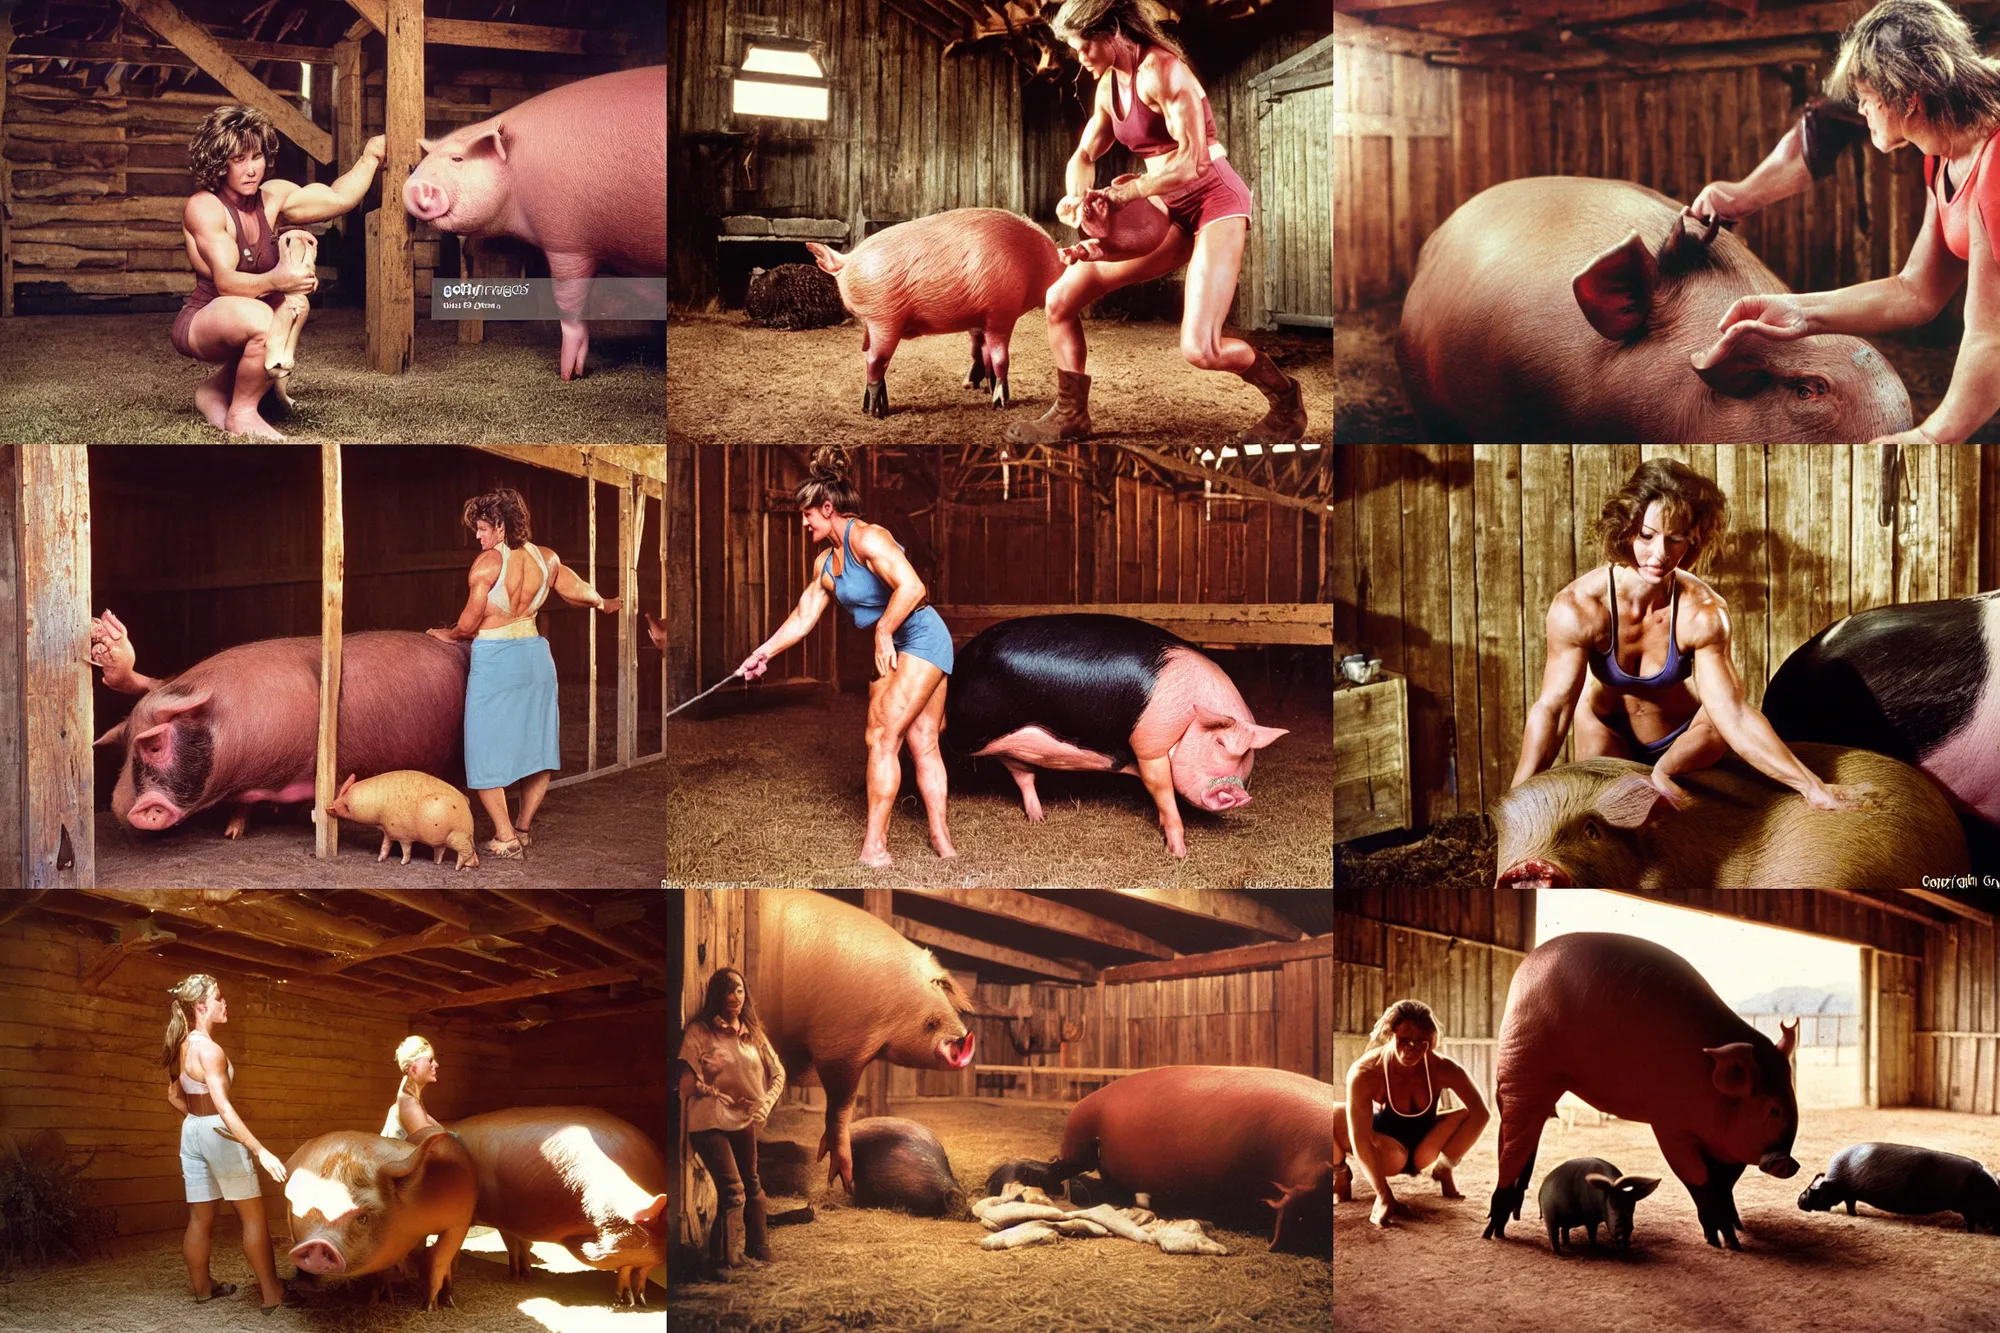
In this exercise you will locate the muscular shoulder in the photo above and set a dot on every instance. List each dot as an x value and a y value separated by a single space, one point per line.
486 568
872 541
1704 614
1162 74
1578 614
204 212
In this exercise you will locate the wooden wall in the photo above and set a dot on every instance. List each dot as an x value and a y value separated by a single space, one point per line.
1446 558
87 1062
1412 141
613 1063
12 609
1956 1035
214 546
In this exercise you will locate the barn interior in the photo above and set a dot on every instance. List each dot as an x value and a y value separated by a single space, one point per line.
886 111
530 998
1071 991
200 549
1438 101
1226 552
1446 559
1924 1024
100 101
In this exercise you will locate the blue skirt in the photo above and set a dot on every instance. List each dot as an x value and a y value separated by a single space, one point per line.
511 726
925 635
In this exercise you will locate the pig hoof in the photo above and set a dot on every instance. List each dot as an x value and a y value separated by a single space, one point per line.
875 399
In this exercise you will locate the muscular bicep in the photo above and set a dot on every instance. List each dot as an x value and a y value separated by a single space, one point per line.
812 602
1982 291
1932 270
207 221
1568 656
1452 1076
1097 135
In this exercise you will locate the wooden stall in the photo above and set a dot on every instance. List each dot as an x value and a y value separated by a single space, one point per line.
1446 558
1069 992
530 998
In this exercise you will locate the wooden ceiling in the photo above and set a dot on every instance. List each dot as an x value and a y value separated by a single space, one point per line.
1558 38
1299 478
1024 28
507 958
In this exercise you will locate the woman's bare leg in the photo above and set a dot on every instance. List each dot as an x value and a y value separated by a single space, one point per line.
893 704
196 1246
1211 286
1446 1144
533 789
257 1248
231 330
923 742
495 801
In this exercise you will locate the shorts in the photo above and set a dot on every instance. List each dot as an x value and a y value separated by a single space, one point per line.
1217 194
184 321
213 1167
923 634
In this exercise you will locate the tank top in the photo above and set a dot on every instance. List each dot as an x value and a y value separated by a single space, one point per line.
1144 130
1979 189
260 257
523 626
1678 666
860 589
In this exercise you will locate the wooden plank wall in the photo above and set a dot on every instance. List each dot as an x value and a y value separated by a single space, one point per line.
614 1064
1412 141
711 936
12 638
87 1063
1446 557
1898 981
1957 1036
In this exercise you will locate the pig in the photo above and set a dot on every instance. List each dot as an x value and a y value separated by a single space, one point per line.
1602 824
411 807
241 726
900 1164
1589 1192
1919 681
1217 1138
968 269
793 296
1570 309
360 1203
838 988
1125 231
575 1175
1106 693
1898 1178
579 172
1024 1169
1632 1029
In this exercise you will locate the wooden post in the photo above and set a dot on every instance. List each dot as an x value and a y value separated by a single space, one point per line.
348 72
6 180
469 330
631 524
663 619
392 308
58 796
678 586
12 832
590 617
332 601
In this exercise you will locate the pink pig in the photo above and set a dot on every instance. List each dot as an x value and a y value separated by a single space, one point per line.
1127 231
580 171
969 269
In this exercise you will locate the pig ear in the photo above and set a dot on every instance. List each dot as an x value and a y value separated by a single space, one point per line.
1735 1066
1616 291
1629 802
115 736
1598 1180
1213 720
489 140
1788 1037
1263 736
166 710
419 1154
1638 1186
344 786
1738 366
428 146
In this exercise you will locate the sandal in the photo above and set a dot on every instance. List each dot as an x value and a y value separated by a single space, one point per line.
505 851
521 836
216 1291
291 1300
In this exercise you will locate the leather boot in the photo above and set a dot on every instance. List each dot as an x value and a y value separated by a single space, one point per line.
1286 421
1068 419
756 1240
718 1242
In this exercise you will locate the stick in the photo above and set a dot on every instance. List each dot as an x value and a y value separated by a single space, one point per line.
704 694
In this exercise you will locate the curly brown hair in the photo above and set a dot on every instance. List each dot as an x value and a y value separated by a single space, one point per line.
828 480
224 133
1684 495
504 508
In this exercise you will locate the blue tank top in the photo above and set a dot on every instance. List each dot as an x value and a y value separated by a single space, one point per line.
1677 668
858 588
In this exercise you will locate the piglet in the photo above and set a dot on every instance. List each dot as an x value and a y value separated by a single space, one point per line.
1106 693
900 1164
969 269
1125 231
411 807
1589 1192
1898 1178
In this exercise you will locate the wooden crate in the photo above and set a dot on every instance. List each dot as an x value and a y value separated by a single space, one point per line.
1371 757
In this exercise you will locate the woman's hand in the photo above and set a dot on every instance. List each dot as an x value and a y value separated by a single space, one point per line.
1676 795
1083 252
1111 196
444 634
1831 796
273 1168
885 654
1387 1206
377 148
1721 200
288 280
754 665
1914 435
609 605
111 647
1780 316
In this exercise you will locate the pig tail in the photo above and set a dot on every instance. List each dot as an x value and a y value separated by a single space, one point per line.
187 993
1402 1011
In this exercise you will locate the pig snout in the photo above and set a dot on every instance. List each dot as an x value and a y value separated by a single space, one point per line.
425 199
956 1052
154 812
1535 874
1226 793
1778 1163
319 1256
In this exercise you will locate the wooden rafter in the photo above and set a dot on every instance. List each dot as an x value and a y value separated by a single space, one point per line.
1041 913
194 42
497 36
603 976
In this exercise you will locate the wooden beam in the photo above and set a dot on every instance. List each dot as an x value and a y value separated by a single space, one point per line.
139 53
1953 904
937 938
1223 905
443 935
1228 483
390 343
272 921
649 1007
1893 909
1395 41
53 508
332 597
590 639
542 903
1236 960
1045 914
521 990
501 36
631 528
193 41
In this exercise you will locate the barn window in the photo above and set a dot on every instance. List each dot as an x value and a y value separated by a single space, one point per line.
780 78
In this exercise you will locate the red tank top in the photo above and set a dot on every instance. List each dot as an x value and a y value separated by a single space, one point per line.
1144 130
1980 189
260 256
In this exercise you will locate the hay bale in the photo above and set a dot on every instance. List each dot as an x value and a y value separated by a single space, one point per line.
793 296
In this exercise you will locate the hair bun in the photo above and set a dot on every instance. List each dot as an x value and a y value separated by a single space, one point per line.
829 463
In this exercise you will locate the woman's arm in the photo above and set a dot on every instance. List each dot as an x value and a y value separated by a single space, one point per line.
812 602
317 202
774 1086
578 593
1361 1128
174 1097
478 584
1452 1075
1178 94
215 1073
906 591
1974 394
1081 174
1782 174
1562 681
411 1113
1746 730
207 220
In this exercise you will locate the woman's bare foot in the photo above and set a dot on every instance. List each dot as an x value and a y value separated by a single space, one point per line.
251 424
1442 1175
1385 1209
877 858
941 844
212 398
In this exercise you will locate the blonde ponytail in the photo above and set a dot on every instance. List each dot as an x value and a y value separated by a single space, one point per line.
191 991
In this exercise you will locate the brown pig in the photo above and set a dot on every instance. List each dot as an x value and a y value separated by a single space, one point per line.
1633 1029
359 1203
575 1175
1216 1137
838 988
411 807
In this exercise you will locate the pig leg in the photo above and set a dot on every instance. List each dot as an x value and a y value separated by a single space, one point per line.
980 376
238 822
1024 778
997 338
1158 775
440 1257
383 855
1522 1116
572 274
461 843
1711 1183
878 344
839 1082
518 1255
405 844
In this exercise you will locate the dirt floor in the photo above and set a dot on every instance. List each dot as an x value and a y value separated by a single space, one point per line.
1797 1270
1458 854
147 1292
605 833
772 795
807 385
133 388
869 1268
1371 408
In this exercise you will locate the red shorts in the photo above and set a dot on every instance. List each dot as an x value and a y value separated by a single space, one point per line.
1217 193
185 319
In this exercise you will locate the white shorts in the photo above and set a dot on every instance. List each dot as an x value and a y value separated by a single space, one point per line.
213 1167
